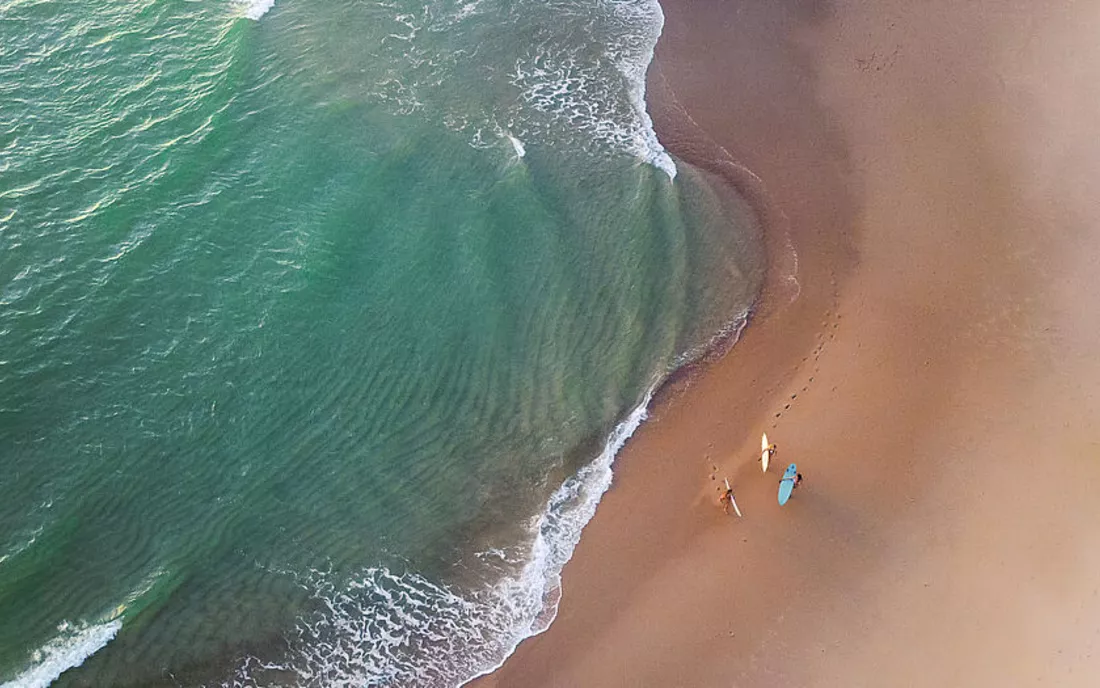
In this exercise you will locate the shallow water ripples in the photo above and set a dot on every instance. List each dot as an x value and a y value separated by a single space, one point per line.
257 320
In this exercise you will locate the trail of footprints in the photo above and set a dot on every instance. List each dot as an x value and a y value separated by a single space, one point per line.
829 326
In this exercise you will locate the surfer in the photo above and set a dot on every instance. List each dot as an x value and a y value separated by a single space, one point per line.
726 498
766 451
791 478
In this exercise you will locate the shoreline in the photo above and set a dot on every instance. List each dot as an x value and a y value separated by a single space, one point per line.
951 343
829 256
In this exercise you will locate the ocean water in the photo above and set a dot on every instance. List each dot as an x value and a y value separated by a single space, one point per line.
321 323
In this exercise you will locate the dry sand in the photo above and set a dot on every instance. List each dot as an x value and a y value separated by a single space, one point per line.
929 174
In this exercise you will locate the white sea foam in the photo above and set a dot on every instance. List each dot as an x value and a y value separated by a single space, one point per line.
73 644
581 93
401 629
579 78
517 146
635 72
256 8
557 532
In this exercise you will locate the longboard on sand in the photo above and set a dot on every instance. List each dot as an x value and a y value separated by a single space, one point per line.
732 500
765 451
786 485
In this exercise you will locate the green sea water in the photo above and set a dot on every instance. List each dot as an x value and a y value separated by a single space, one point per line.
320 325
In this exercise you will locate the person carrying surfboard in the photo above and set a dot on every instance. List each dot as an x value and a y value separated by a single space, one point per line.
767 449
728 500
791 478
725 499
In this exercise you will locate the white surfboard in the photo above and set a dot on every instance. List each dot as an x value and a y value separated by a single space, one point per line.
765 451
732 500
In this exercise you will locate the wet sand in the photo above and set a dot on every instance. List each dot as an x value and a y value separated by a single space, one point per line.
925 351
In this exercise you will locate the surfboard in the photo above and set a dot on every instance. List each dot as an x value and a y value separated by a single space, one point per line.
786 485
732 500
765 452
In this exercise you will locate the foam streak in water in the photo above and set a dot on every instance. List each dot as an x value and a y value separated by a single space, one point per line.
67 650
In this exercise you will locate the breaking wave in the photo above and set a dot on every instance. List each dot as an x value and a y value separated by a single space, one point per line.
257 8
587 94
386 628
562 75
73 644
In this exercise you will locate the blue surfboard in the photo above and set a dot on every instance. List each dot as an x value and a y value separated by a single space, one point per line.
786 485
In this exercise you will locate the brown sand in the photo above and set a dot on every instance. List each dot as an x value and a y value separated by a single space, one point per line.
929 174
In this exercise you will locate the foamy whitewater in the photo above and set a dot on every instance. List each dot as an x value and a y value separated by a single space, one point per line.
369 628
573 90
73 644
322 331
254 9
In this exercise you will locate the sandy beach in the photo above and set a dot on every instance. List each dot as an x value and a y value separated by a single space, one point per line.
924 351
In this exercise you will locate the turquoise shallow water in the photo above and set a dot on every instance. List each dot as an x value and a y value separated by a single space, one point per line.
319 329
